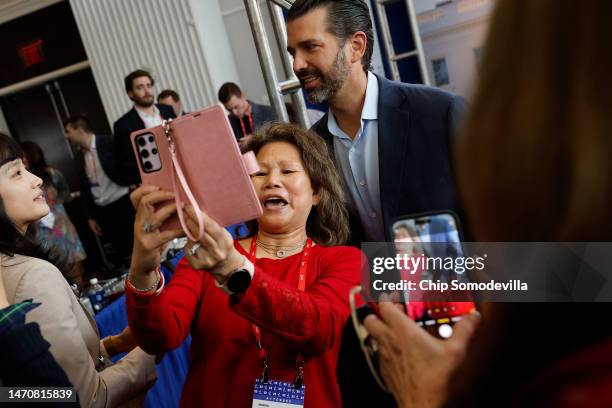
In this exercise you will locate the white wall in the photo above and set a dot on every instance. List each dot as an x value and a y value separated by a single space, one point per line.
421 6
165 37
215 43
453 32
458 49
243 47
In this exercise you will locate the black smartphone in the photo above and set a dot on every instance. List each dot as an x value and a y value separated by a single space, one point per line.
436 267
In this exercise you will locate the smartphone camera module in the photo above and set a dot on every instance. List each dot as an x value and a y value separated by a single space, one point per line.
148 153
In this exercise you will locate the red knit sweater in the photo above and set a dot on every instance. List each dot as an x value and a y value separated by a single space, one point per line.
224 357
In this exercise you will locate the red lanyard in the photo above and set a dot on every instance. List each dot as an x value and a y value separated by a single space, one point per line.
263 356
248 112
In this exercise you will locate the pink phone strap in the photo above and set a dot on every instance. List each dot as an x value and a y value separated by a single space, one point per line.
176 167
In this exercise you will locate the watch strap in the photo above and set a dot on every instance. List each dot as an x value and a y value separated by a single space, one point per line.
246 265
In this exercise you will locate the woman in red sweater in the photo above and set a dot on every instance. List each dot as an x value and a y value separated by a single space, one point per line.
269 307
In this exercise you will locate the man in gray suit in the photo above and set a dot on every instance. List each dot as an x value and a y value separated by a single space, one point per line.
391 140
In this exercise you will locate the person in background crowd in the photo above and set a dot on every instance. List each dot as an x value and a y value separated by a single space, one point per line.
284 288
72 333
525 354
390 139
171 98
106 203
143 115
55 232
246 117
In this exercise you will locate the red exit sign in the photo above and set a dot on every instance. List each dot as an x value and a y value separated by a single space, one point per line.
31 53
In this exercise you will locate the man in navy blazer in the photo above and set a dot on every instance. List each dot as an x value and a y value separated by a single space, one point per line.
391 140
144 114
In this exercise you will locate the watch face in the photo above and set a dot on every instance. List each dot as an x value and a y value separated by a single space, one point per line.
239 281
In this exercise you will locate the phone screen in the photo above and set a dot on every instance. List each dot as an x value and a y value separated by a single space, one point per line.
434 242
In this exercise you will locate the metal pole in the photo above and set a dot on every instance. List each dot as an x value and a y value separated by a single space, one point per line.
297 97
58 116
61 95
284 3
414 25
265 58
41 79
386 34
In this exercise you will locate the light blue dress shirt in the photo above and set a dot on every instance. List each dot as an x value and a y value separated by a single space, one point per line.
358 162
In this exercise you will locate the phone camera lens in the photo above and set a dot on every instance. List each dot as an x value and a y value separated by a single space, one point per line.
144 153
154 151
148 165
151 139
445 331
142 141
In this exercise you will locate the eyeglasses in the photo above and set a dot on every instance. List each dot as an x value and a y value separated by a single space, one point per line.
366 342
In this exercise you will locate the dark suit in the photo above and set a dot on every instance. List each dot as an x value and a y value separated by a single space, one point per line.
415 125
104 147
117 218
26 359
262 114
127 168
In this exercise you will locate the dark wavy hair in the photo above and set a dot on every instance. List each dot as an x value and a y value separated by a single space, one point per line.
12 241
129 79
228 90
327 222
344 18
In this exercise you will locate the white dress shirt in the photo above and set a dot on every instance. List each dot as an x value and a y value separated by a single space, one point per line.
150 120
103 189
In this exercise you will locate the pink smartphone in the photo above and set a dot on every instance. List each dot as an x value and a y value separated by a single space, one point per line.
210 159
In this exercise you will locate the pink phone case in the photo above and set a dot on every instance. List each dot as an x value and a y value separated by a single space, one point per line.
215 170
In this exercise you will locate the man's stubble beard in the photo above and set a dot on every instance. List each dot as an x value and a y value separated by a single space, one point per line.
332 82
142 103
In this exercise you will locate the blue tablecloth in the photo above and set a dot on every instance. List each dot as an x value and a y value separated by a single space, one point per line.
171 371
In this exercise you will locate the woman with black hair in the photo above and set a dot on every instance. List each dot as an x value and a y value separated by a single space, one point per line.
55 232
27 275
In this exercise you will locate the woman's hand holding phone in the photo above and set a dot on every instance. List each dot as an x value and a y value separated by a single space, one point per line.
153 207
415 365
215 251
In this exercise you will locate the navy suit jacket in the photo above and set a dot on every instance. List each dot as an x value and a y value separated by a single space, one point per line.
127 168
415 128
